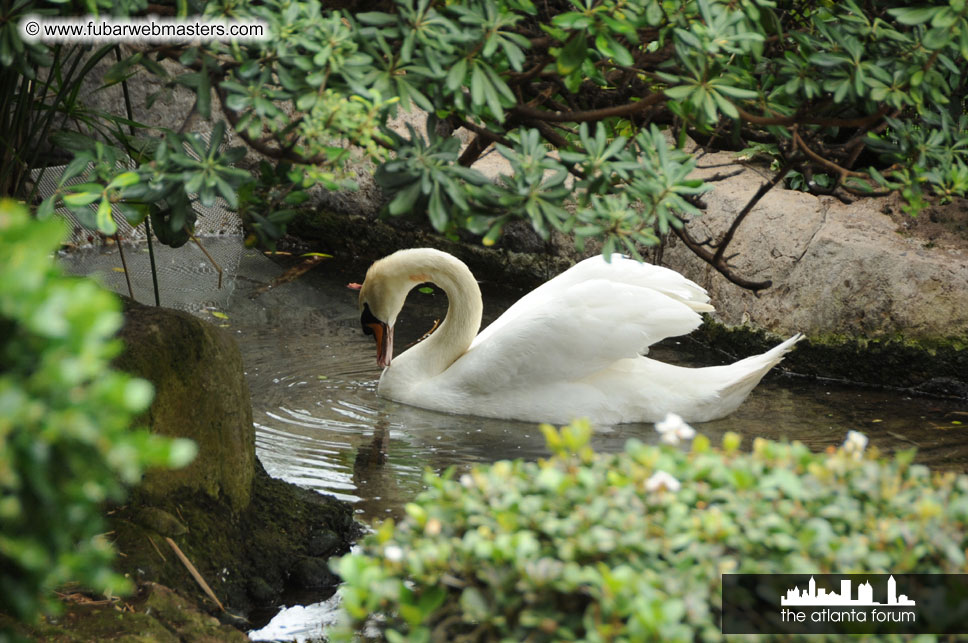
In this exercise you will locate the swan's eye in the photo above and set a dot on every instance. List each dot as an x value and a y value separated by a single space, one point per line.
367 319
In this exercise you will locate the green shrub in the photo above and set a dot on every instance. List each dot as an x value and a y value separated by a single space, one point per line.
65 443
841 97
632 546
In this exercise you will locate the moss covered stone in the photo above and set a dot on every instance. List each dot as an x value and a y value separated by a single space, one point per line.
200 393
248 535
155 614
937 367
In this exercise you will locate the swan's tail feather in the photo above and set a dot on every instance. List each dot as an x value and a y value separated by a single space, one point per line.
699 306
736 380
752 369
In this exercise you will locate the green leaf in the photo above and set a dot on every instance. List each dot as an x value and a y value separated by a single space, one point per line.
79 164
377 18
79 199
46 209
572 54
436 210
121 70
725 106
123 180
133 213
473 604
72 141
105 221
478 84
914 15
680 92
736 92
455 77
405 200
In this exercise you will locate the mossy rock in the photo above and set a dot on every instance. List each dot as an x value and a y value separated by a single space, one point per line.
937 368
155 614
248 535
200 393
248 558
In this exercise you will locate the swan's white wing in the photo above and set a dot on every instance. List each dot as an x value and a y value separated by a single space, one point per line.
557 334
620 270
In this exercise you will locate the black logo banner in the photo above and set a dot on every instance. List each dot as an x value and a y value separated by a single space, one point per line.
845 604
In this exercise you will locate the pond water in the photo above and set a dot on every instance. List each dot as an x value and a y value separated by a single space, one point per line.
320 424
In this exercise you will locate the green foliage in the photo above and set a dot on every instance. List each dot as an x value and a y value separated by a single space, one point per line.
65 442
581 98
631 546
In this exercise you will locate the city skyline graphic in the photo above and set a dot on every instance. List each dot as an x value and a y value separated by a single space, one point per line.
865 595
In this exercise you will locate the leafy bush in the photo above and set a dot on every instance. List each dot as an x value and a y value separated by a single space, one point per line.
65 442
844 97
632 546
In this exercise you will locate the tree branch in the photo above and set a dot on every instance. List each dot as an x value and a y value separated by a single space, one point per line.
589 115
717 259
720 266
863 121
830 165
483 138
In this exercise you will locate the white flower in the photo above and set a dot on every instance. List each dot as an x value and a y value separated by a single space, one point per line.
855 443
661 480
393 553
673 429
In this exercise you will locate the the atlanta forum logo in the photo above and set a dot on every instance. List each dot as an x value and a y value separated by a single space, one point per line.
870 611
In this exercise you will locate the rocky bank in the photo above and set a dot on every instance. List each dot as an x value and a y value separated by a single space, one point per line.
247 536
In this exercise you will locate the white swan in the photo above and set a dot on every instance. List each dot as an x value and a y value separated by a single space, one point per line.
570 348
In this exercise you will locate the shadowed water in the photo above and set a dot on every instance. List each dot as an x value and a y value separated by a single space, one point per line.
320 424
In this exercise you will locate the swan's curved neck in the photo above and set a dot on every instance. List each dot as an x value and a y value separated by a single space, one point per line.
452 338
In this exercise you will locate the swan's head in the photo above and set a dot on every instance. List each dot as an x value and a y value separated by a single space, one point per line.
382 295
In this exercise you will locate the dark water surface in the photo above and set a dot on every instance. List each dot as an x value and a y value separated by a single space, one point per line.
320 424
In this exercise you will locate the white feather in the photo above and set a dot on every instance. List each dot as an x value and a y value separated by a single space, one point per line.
570 348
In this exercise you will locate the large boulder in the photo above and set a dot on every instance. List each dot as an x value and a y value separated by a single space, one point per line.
249 536
881 301
837 269
201 394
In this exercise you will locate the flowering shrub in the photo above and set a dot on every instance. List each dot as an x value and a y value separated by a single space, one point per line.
631 546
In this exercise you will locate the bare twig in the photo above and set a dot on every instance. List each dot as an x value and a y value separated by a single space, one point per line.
862 121
195 573
830 165
218 268
723 269
717 259
124 265
151 540
588 115
482 140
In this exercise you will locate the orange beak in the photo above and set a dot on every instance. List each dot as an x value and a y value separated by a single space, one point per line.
382 333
